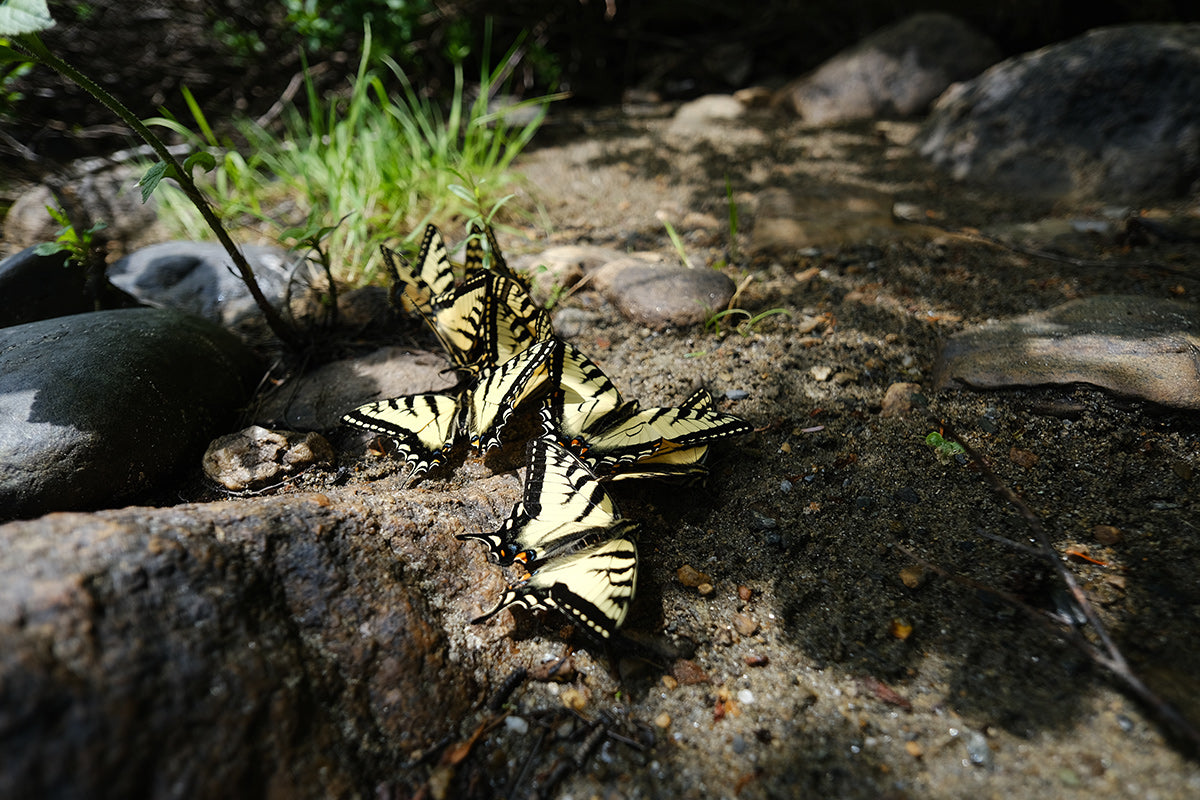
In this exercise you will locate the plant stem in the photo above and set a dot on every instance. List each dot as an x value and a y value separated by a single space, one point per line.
35 48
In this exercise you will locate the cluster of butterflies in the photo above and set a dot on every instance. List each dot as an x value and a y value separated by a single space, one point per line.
578 552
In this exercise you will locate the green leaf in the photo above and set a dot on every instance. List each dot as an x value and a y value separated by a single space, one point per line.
24 16
50 248
8 55
204 160
149 181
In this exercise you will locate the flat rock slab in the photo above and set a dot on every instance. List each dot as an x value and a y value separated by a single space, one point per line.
1131 346
95 407
318 399
663 295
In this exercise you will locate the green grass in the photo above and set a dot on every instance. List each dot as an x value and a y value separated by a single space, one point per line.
372 166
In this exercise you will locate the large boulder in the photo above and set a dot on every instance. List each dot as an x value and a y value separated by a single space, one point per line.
97 407
1110 115
270 647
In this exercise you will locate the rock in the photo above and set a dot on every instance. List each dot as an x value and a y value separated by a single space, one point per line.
696 115
96 407
102 193
1110 115
661 295
269 644
40 287
256 457
1132 346
562 267
896 71
199 278
318 399
898 399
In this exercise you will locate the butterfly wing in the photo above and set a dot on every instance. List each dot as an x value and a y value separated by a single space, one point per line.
497 393
424 426
594 585
432 276
563 503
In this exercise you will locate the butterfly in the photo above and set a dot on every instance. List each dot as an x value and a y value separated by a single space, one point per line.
586 414
427 427
414 288
563 502
567 531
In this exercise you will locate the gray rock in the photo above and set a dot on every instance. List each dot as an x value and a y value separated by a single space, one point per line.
40 287
256 457
96 407
1111 114
199 278
318 399
1132 346
662 295
271 646
704 111
898 70
563 266
103 193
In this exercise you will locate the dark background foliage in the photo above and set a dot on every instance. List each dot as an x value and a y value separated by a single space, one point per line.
241 56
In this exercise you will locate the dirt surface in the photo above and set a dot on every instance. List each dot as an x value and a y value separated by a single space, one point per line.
875 622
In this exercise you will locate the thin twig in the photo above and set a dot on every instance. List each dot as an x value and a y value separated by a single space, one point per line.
1109 655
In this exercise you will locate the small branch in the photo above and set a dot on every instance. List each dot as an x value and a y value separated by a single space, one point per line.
34 47
1108 655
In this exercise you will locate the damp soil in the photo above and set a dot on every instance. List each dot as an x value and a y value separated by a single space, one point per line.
877 620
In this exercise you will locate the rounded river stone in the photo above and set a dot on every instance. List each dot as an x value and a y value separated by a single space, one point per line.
95 407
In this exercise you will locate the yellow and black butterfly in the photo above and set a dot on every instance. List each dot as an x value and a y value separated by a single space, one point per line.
580 552
563 503
487 320
426 427
586 414
414 288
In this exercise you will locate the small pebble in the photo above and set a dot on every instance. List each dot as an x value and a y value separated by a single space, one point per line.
1106 534
757 661
785 486
821 373
691 577
978 749
1022 458
901 629
705 589
745 697
663 720
914 749
517 724
736 394
745 593
574 699
669 682
744 624
688 672
913 576
739 744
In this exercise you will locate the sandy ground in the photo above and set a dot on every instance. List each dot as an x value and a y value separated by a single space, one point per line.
876 624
